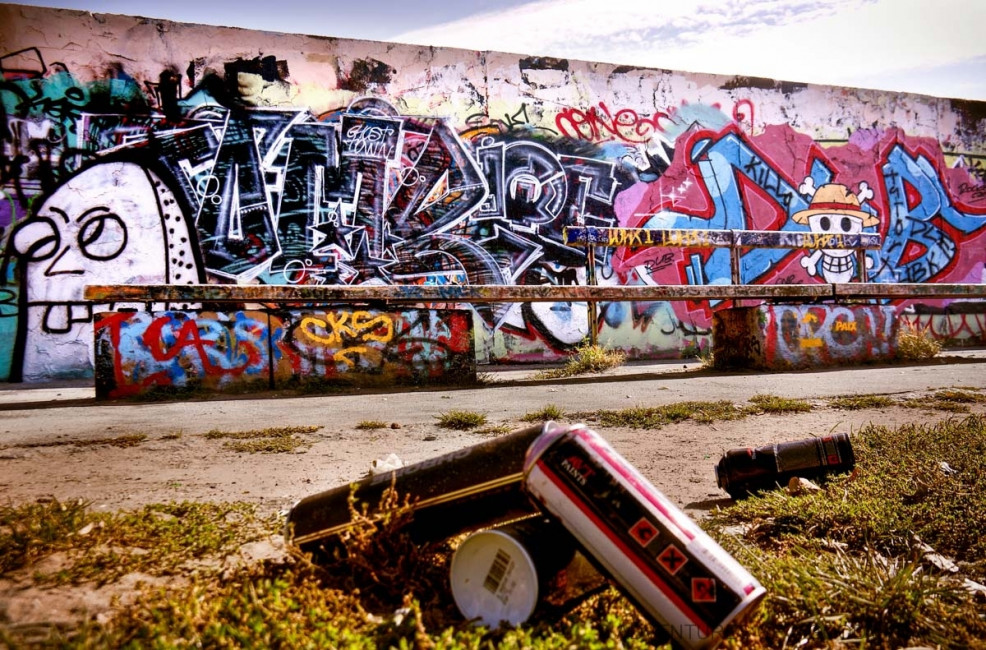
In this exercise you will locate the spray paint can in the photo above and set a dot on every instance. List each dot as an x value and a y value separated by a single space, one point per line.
674 573
741 471
464 490
502 574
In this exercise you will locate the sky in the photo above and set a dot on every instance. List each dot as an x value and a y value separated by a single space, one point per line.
932 47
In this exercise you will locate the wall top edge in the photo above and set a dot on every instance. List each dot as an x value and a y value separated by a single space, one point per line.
722 81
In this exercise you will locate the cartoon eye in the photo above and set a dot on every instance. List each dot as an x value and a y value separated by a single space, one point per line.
846 224
825 223
102 236
36 239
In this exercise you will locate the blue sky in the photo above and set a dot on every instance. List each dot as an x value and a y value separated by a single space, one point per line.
933 47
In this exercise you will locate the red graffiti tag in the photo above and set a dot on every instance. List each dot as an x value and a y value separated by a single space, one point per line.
598 124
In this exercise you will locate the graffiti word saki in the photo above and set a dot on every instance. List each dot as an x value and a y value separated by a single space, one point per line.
636 237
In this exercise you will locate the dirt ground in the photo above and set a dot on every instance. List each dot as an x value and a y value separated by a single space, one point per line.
176 462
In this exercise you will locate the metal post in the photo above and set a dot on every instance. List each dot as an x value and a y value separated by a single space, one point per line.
590 260
861 264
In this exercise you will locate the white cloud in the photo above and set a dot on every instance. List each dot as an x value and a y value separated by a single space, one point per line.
886 44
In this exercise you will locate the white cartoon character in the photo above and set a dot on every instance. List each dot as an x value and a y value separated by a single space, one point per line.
834 210
114 223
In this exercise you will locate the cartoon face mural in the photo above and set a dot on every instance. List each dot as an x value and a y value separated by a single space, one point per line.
836 211
114 223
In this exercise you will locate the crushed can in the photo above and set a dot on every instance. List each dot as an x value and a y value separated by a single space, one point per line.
464 490
746 470
674 573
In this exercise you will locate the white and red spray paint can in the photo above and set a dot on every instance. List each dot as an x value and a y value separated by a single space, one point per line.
672 571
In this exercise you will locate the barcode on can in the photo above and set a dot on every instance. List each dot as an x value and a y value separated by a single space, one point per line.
501 562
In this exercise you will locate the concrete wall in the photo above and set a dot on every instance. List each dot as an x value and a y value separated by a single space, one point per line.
139 150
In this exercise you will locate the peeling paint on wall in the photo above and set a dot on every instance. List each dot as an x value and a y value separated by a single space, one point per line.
208 154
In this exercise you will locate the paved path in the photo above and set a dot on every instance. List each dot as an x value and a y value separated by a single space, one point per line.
36 413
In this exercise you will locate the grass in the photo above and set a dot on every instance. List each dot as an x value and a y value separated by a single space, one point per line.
461 420
916 344
846 563
543 414
860 402
365 425
495 430
775 404
587 359
157 540
950 400
843 567
654 417
122 442
273 440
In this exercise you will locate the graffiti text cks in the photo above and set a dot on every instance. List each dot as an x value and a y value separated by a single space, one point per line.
350 327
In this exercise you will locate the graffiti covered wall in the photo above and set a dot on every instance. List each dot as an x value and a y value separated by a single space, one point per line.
794 337
146 151
139 353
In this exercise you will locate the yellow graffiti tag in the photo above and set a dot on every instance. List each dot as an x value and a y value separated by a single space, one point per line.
685 238
355 326
820 240
628 238
375 357
845 326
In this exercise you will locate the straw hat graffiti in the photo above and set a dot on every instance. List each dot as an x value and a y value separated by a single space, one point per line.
834 210
835 199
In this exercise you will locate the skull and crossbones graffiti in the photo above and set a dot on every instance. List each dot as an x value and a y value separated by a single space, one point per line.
837 211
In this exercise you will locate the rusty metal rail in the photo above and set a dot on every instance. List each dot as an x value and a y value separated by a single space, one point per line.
688 238
479 294
735 240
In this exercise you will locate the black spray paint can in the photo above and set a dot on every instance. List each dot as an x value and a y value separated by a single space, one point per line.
674 573
741 471
464 490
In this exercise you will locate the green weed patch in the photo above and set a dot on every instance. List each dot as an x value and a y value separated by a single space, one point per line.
655 417
273 440
461 420
587 359
850 563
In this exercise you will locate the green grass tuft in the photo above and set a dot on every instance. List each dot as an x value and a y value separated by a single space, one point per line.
860 402
587 359
273 440
461 420
365 425
847 563
775 404
543 414
654 417
916 344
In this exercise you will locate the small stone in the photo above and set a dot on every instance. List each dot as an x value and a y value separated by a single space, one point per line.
395 425
798 485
